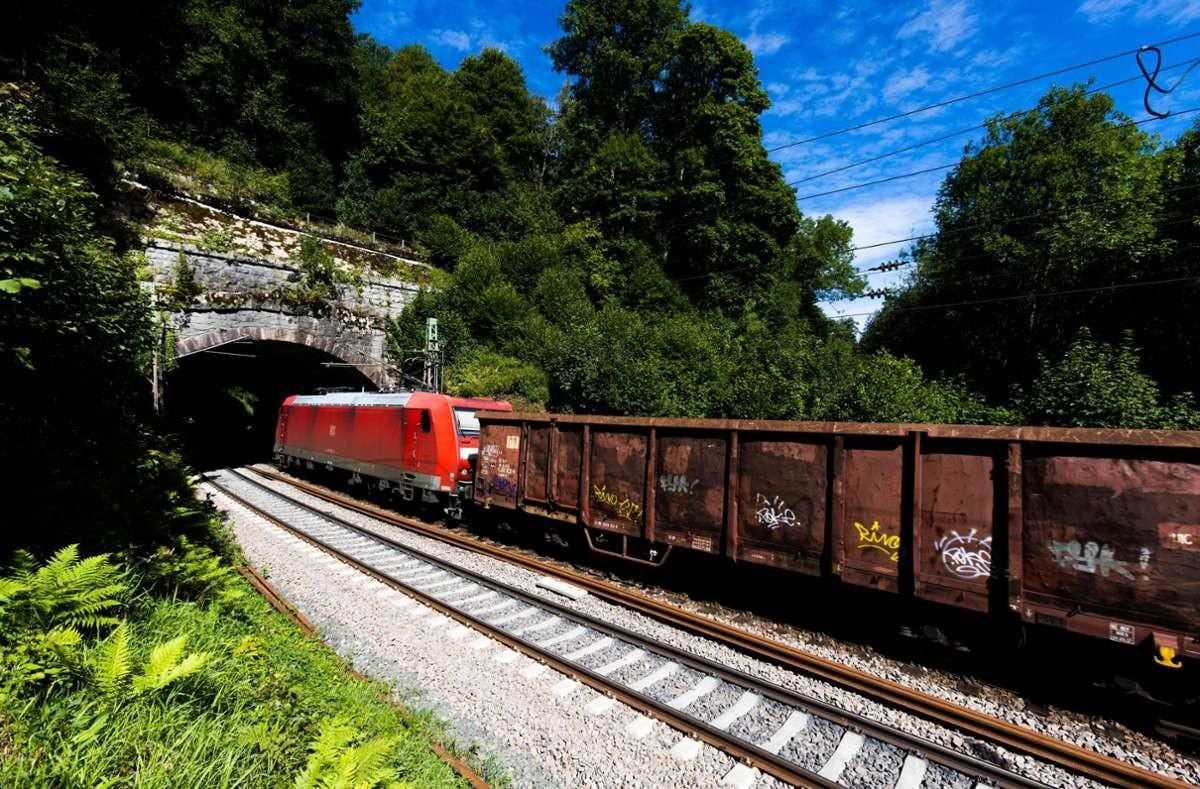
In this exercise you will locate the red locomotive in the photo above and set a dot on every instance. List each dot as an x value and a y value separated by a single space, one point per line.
421 445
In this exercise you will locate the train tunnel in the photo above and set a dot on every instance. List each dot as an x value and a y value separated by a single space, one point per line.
222 402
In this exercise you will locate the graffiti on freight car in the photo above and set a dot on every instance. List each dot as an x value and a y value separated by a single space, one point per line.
622 507
772 512
1179 536
874 539
503 486
965 555
676 483
1091 557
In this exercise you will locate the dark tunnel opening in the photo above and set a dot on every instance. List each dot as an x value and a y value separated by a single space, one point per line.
222 403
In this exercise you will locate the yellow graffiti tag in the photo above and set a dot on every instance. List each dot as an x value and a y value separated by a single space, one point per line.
878 540
622 508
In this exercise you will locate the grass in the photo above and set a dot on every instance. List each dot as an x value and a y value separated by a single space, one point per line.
264 696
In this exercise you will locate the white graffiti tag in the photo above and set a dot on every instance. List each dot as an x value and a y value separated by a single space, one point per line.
676 483
773 512
1091 557
965 555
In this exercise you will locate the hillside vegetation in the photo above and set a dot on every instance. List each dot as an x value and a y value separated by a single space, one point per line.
634 249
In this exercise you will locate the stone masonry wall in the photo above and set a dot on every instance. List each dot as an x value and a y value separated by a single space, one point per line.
244 297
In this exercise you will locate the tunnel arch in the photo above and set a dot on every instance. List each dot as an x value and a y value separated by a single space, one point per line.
221 395
372 369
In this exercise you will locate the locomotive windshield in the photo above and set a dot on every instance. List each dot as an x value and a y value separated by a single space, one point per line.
465 419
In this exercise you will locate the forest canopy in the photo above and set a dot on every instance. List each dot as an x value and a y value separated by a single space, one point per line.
630 247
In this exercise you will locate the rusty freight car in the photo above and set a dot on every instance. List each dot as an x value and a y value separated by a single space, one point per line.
1092 531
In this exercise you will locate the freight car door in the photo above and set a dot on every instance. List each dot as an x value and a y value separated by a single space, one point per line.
953 543
1113 537
782 487
870 524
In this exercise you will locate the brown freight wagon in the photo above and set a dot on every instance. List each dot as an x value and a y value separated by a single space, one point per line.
1093 531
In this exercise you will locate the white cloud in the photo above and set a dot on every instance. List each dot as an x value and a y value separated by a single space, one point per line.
766 43
946 23
875 221
1172 11
455 39
902 83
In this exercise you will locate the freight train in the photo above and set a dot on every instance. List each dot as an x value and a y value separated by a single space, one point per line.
1091 531
1095 532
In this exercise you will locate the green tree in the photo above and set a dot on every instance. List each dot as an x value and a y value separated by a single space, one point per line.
662 149
75 337
1066 197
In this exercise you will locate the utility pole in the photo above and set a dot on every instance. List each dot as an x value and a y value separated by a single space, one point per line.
433 356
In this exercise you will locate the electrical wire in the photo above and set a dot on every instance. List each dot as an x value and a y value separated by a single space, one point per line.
977 94
977 127
898 266
1034 215
936 168
1022 296
954 230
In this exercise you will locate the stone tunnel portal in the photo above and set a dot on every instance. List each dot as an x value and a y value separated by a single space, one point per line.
222 397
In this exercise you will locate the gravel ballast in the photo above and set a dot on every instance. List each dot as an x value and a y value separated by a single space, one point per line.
542 738
1153 756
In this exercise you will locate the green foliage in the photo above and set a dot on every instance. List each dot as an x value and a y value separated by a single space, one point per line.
187 167
341 760
111 662
1102 179
1096 384
193 570
486 373
65 592
319 278
184 288
195 692
217 240
167 663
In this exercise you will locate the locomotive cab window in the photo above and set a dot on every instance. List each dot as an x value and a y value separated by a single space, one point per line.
426 421
465 419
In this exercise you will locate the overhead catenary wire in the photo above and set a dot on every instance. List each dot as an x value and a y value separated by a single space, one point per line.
898 265
1034 215
954 231
976 127
927 170
979 93
1023 296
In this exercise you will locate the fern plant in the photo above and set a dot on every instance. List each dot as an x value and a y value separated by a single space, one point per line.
44 609
337 762
111 665
65 592
196 570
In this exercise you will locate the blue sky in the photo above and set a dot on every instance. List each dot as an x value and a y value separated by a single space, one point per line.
829 65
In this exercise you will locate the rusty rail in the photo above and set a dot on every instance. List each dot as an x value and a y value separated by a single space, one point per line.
1018 738
769 762
285 607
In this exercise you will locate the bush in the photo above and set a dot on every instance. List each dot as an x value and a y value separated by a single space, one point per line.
192 169
486 373
1097 384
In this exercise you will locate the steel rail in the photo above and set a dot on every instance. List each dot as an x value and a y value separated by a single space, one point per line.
758 757
1043 747
285 607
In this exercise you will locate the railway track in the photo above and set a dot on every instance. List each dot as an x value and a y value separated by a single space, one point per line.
698 696
1048 749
